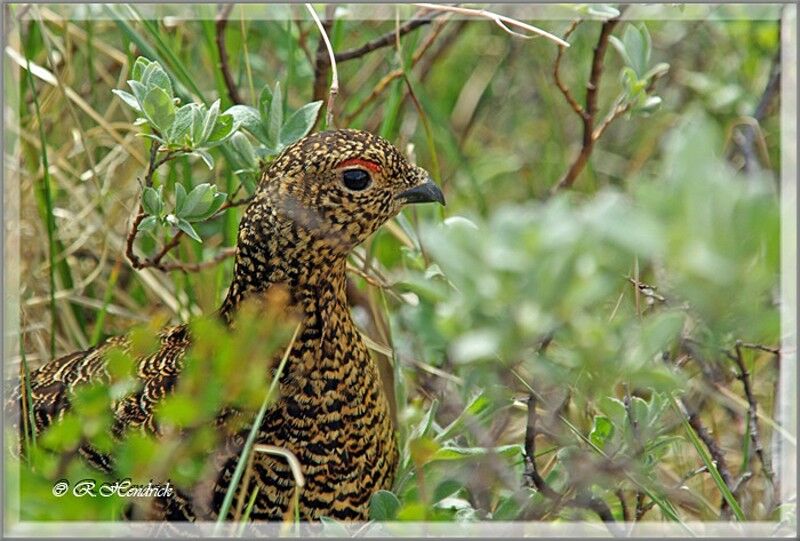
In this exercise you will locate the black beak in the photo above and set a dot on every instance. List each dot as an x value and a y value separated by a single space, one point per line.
427 192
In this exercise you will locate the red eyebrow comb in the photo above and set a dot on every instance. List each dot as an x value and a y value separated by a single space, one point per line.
372 166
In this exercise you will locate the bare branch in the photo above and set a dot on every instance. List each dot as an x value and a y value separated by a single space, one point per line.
752 412
746 133
589 112
386 39
381 86
713 449
761 347
531 471
557 73
221 23
582 500
156 261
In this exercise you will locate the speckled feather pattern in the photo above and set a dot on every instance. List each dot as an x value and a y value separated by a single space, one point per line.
332 412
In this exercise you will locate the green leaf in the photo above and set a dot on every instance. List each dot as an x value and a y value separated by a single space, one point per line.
412 512
139 66
180 198
148 224
480 406
637 44
154 76
198 120
620 47
187 228
178 410
462 453
182 125
639 412
275 120
211 209
300 123
129 99
223 129
650 105
246 116
508 509
383 506
244 150
602 431
603 11
659 69
193 198
151 201
139 91
446 488
422 450
264 104
207 158
209 122
159 109
202 202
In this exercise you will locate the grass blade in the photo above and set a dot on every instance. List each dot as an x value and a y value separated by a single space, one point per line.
247 512
28 417
151 53
251 437
97 331
709 463
50 220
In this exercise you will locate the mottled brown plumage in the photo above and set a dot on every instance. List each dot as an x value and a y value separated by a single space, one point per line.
311 208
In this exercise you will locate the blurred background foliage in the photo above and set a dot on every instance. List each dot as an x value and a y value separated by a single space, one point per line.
607 329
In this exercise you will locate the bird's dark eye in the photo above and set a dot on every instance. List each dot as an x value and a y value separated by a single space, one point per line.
356 179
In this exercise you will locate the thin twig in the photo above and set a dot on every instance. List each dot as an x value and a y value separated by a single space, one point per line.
386 39
647 290
621 106
713 449
156 260
583 500
557 72
589 112
746 134
334 88
396 73
223 254
221 23
140 214
531 471
500 20
761 347
752 414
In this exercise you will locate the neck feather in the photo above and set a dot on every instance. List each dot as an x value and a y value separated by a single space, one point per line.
272 250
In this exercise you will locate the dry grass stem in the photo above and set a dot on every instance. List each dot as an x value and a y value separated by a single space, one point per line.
501 20
334 88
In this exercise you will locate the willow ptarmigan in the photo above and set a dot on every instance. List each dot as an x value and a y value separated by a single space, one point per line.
319 199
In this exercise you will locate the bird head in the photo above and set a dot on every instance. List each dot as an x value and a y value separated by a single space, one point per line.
336 188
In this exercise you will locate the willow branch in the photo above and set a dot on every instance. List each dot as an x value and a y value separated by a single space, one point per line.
386 39
588 113
557 72
221 23
752 412
384 82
